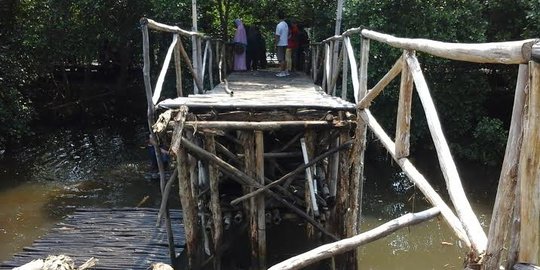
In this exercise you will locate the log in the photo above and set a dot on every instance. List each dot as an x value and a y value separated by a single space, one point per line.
260 202
244 179
363 70
167 28
215 207
342 246
189 208
345 73
357 176
464 211
403 121
269 125
354 68
379 87
417 178
293 173
163 72
503 209
529 173
495 52
178 70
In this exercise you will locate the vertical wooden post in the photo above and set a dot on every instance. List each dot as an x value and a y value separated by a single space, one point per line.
260 202
529 173
178 69
344 80
215 206
211 66
403 121
189 209
248 140
364 60
506 191
308 142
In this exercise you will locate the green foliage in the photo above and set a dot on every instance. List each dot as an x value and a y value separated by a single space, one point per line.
489 142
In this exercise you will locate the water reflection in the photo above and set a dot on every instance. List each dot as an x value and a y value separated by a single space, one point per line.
64 169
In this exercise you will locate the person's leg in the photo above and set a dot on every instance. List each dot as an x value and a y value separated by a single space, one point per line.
288 59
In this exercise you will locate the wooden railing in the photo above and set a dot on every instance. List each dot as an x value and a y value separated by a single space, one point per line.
197 66
521 167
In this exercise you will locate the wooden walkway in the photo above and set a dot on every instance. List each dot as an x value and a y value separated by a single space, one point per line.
124 238
262 90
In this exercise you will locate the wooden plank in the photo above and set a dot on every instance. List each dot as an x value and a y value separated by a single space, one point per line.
466 215
529 173
506 191
403 121
120 238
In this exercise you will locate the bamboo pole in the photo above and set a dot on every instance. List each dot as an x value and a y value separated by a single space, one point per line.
506 191
365 102
163 72
215 207
529 173
417 178
178 70
342 246
260 201
464 211
496 52
403 121
244 179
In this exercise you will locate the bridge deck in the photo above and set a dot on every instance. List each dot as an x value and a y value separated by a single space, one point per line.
119 238
262 90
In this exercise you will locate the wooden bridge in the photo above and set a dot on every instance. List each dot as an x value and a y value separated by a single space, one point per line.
252 144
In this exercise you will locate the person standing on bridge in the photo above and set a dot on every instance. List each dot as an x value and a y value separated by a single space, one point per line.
240 44
281 41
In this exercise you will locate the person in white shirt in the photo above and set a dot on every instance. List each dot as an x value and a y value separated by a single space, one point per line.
281 38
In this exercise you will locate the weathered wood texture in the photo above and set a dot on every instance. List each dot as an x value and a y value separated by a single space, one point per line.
403 121
416 177
529 173
497 52
262 90
124 238
504 206
464 211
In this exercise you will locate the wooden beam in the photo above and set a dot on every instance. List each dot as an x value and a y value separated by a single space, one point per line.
363 70
417 178
260 202
466 215
503 207
167 28
403 121
268 125
178 70
495 52
379 87
348 244
215 206
529 173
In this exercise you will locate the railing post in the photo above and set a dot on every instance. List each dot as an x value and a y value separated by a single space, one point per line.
178 69
529 172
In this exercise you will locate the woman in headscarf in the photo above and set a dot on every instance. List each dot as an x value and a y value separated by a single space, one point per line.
240 43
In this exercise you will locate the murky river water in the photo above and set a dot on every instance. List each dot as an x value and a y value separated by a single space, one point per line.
105 166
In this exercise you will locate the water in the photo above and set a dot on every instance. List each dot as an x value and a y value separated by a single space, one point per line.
105 166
